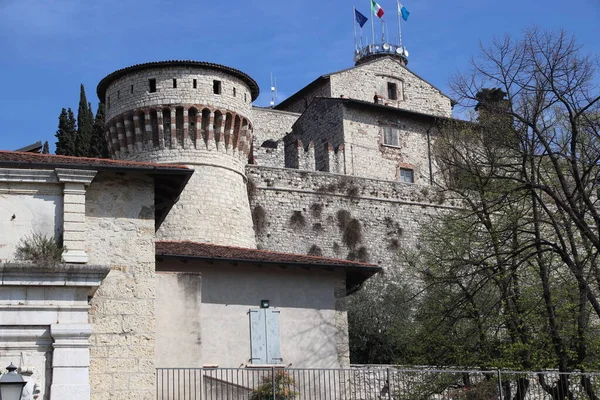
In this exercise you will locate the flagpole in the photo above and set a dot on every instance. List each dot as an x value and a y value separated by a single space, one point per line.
354 24
372 24
399 26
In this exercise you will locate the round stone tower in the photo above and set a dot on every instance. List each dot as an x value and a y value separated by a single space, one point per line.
195 114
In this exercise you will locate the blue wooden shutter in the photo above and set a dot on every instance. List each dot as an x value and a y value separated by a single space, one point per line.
273 345
258 338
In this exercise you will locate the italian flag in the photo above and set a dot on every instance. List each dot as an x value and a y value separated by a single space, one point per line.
376 9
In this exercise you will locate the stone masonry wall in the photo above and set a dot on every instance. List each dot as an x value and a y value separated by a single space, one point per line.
369 79
120 233
301 103
340 216
321 124
368 156
270 125
120 99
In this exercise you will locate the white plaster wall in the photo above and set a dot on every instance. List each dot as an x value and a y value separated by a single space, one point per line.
309 322
178 302
35 212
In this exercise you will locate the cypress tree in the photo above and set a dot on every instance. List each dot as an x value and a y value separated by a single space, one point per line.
46 148
98 146
66 133
85 125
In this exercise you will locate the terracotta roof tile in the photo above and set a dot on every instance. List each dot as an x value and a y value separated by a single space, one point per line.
356 272
204 250
33 160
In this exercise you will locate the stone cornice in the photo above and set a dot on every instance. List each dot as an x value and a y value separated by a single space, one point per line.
73 275
27 175
75 175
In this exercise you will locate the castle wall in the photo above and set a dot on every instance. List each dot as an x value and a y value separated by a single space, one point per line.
120 233
367 80
321 124
313 328
270 125
121 99
300 104
309 212
368 156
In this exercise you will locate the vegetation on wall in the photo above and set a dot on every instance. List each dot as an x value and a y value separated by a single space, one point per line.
297 220
39 249
259 219
315 251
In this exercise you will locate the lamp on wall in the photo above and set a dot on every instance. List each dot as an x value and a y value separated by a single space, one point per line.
11 384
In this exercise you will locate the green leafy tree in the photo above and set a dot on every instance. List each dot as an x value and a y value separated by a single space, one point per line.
66 133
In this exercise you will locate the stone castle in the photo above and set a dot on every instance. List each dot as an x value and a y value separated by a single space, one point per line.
220 234
353 145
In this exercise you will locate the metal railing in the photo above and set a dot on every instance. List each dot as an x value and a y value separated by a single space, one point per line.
371 384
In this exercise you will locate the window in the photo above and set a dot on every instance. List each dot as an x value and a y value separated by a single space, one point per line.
131 89
118 94
152 85
392 91
390 136
195 84
407 175
264 336
217 87
245 96
174 83
234 93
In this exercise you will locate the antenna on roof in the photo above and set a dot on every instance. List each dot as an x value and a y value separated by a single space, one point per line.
273 91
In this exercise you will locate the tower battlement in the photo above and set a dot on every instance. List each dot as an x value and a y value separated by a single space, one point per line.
196 114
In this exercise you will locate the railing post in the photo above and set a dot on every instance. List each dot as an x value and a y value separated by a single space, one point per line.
273 381
500 385
389 383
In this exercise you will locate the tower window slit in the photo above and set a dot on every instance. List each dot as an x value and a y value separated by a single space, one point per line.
152 85
195 84
174 83
216 87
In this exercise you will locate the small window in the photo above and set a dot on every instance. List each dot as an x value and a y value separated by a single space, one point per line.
131 89
195 84
174 83
407 175
217 87
392 91
264 336
245 96
390 136
118 94
234 92
152 85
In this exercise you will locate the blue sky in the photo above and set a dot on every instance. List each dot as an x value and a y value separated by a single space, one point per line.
49 47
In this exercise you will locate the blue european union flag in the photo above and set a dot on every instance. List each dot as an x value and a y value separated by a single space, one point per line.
361 19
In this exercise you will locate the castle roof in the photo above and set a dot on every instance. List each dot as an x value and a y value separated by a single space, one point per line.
104 83
323 78
356 272
169 180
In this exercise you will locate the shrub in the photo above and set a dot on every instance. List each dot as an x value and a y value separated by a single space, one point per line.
284 387
316 209
352 234
40 249
315 251
250 188
343 217
297 220
259 218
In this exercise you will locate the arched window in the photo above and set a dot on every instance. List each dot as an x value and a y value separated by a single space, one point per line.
154 124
